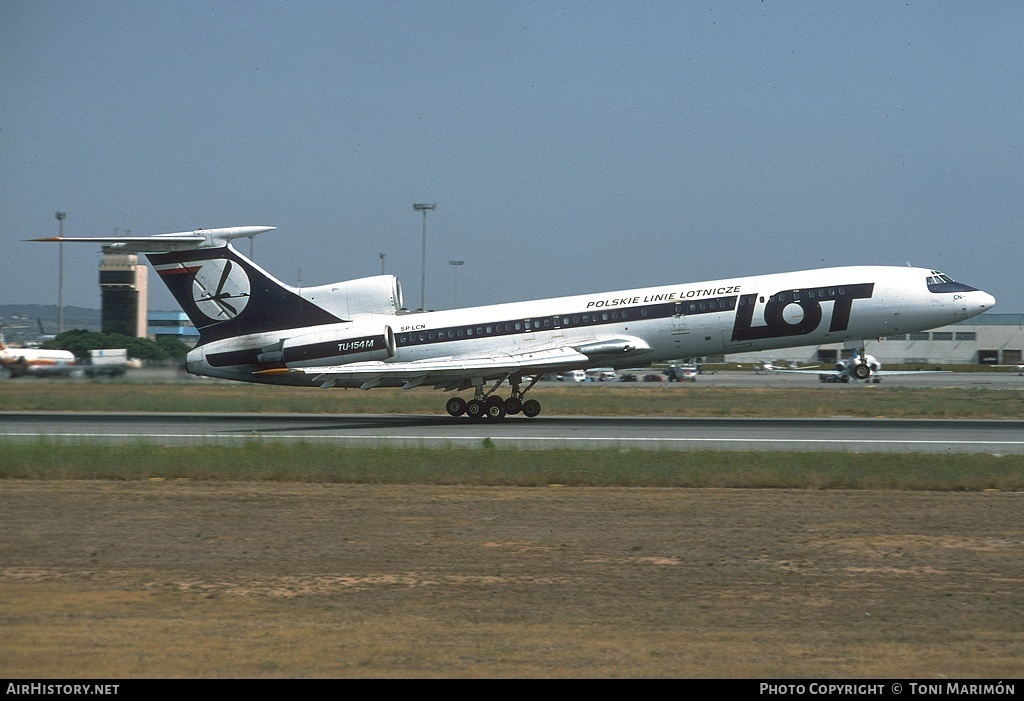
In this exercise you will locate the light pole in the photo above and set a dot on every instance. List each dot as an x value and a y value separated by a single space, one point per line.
420 207
455 295
61 216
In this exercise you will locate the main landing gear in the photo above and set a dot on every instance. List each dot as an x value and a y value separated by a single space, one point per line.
487 406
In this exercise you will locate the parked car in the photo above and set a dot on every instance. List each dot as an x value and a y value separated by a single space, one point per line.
683 373
653 377
573 376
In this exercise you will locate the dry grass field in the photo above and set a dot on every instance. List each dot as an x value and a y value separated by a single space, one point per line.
219 579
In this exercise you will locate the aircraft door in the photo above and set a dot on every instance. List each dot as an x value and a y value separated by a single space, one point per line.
680 322
679 328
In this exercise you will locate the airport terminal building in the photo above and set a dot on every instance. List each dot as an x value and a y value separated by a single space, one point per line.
988 339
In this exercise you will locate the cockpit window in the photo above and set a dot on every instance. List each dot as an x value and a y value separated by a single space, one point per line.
937 278
941 283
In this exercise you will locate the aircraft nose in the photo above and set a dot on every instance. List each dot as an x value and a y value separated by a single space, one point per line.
984 300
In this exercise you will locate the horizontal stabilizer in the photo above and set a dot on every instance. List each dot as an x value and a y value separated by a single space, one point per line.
164 243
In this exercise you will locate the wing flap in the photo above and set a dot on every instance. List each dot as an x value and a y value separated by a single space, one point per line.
445 371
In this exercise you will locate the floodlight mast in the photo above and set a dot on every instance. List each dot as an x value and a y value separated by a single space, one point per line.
61 216
455 293
423 207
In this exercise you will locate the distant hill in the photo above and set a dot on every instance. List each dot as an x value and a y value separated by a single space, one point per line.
21 321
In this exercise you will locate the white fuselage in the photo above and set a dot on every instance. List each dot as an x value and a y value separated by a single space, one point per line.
36 361
661 323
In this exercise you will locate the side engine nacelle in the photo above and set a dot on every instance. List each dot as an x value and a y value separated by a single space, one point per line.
334 345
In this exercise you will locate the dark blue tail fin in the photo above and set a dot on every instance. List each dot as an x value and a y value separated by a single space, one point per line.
225 294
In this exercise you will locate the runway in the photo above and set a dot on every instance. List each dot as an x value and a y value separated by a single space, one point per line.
422 431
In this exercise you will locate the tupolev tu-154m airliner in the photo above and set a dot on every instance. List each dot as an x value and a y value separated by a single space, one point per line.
254 328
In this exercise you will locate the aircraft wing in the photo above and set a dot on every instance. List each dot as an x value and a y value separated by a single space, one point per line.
888 373
767 366
453 372
876 373
772 368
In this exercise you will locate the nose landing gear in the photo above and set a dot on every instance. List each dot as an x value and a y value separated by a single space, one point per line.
861 371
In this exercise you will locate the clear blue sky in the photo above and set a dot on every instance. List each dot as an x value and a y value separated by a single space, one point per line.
570 146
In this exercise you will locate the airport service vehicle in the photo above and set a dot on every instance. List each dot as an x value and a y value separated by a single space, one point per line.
106 362
254 328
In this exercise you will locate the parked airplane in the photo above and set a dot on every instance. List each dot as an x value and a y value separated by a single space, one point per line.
861 366
35 361
762 366
255 328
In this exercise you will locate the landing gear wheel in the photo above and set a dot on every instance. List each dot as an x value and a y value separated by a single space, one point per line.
861 371
531 408
475 409
513 406
456 406
494 409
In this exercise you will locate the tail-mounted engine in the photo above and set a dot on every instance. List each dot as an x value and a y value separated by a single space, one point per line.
380 294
